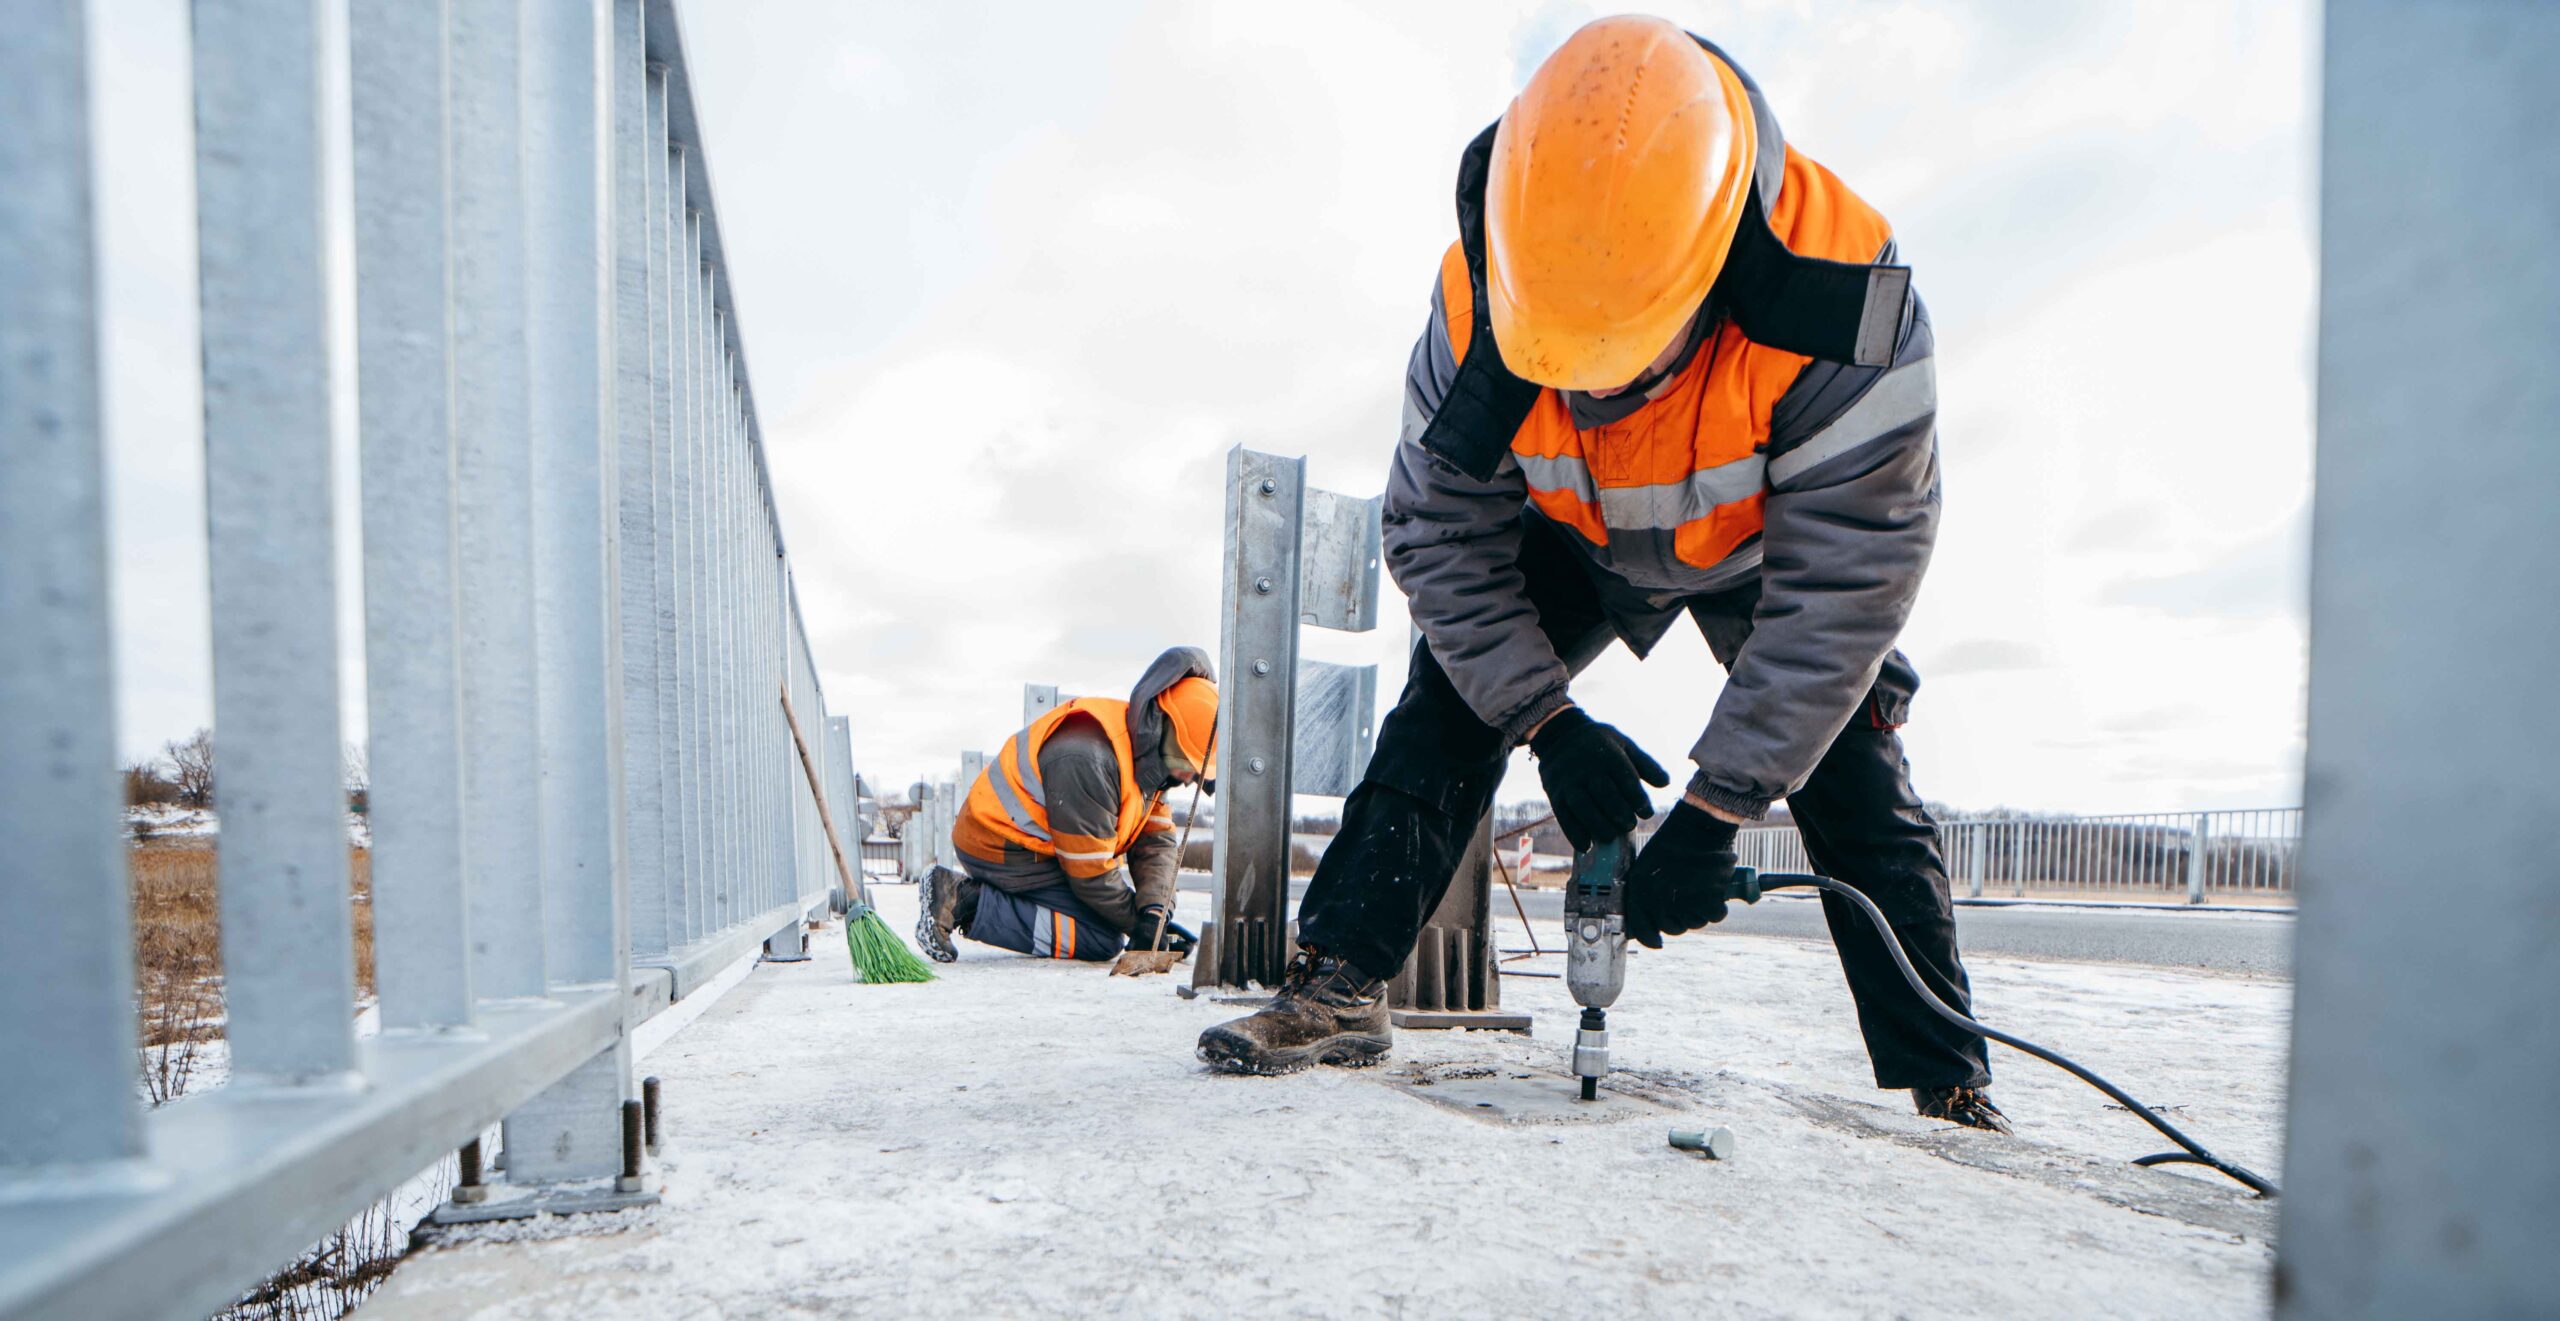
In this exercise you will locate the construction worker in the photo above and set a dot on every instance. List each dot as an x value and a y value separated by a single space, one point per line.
1066 838
1671 366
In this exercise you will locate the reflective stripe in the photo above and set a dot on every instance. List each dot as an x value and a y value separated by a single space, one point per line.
1027 770
1043 934
1022 818
1899 398
1660 507
1105 856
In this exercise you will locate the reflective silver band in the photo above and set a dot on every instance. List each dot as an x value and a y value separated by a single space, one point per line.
1899 398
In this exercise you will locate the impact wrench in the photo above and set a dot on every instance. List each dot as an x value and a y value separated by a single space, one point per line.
1595 908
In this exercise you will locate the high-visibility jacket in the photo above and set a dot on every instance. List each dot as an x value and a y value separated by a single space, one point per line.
1007 807
1795 444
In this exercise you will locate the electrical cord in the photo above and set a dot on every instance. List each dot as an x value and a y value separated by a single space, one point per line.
1747 886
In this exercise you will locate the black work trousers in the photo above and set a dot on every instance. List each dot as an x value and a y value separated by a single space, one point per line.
1436 767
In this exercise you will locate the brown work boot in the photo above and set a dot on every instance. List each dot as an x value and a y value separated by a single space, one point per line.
1327 1012
1969 1106
938 912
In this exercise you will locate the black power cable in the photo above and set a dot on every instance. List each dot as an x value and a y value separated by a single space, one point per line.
1748 884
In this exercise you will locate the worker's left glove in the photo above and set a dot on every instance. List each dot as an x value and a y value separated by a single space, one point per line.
1681 878
1152 920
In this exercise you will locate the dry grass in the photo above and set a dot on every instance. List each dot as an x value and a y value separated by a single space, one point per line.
177 940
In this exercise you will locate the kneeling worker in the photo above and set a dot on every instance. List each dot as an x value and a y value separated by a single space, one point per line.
1068 844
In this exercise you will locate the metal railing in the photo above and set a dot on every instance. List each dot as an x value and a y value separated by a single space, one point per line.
2189 856
584 655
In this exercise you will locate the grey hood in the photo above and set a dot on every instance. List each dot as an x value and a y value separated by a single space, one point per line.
1149 728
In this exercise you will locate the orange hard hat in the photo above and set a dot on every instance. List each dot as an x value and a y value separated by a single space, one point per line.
1192 706
1618 177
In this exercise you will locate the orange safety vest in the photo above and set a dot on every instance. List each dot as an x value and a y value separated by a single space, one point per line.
1006 807
1690 461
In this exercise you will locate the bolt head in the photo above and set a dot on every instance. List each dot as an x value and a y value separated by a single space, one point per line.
1262 667
1253 764
1269 487
1262 585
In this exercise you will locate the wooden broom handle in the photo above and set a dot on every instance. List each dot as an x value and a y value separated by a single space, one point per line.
854 891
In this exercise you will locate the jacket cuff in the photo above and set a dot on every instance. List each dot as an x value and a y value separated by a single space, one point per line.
1526 716
1748 804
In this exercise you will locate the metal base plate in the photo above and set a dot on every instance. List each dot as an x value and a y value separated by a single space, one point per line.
1480 1020
1519 1097
523 1204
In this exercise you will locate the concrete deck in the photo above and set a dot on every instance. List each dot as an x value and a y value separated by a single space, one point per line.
1030 1138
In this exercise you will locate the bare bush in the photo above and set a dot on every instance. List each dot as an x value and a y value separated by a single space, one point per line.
145 783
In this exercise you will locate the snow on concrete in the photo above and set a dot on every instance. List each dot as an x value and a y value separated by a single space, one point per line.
1031 1138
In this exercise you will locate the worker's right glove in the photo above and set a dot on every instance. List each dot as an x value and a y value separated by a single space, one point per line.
1680 879
1595 776
1153 920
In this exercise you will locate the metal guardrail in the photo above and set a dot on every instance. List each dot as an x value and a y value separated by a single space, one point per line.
580 628
2192 856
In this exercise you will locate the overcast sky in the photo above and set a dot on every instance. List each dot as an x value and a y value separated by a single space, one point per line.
1013 278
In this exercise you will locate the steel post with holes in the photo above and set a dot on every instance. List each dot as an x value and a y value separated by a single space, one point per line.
1246 940
1038 699
2419 1149
66 954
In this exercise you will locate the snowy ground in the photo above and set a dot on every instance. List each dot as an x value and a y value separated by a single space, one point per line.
1029 1138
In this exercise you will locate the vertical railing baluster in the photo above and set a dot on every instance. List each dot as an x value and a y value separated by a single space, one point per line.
569 341
287 943
642 496
404 403
664 468
492 420
66 980
573 1129
686 463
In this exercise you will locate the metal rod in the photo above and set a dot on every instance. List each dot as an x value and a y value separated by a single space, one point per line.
66 955
404 412
492 421
287 942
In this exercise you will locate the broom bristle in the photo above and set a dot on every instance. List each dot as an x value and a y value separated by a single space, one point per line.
878 955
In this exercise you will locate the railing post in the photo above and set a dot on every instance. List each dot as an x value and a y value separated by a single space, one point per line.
287 942
404 411
1980 848
66 953
2197 844
573 1129
492 424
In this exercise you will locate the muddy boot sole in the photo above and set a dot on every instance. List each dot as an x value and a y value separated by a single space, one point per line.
1232 1053
930 935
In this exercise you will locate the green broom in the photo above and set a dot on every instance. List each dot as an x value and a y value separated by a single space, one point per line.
878 955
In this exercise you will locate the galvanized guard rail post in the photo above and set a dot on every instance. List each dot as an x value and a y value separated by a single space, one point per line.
579 627
1293 555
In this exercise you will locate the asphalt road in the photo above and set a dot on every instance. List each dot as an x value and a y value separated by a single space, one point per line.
2249 943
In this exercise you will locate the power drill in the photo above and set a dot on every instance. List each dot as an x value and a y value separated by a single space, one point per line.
1595 950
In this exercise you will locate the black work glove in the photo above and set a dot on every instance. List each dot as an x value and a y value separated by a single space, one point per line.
1680 880
1153 920
1595 777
